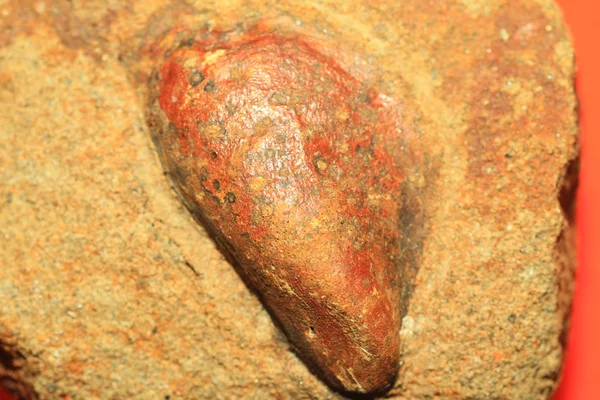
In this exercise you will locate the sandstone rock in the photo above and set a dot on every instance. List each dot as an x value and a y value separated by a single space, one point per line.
110 289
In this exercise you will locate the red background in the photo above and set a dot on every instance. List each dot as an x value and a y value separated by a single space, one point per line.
581 375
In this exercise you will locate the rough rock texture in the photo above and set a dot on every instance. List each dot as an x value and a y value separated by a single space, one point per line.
110 289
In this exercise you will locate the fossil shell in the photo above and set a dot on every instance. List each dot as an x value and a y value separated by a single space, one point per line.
284 156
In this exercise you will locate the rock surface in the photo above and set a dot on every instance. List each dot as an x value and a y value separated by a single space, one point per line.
110 289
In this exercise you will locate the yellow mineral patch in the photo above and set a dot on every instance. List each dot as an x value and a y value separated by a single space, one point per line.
341 114
321 165
257 183
212 57
315 223
213 130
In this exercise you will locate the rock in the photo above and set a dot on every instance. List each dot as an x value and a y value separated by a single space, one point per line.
110 288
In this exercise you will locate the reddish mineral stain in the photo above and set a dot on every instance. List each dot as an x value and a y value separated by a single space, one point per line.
285 157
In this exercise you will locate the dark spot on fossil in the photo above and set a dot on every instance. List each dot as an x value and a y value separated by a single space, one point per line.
196 78
217 184
210 87
205 186
230 197
189 42
214 155
231 108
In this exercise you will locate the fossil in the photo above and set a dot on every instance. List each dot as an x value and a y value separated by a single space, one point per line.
288 159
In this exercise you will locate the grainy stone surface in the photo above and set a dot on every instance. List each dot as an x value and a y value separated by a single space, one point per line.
110 289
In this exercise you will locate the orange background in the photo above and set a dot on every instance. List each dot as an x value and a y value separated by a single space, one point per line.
581 375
